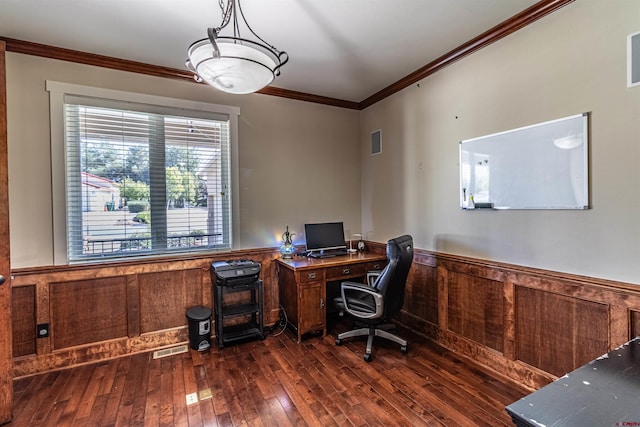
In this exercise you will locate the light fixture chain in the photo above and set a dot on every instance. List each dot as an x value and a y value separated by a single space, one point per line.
251 29
226 13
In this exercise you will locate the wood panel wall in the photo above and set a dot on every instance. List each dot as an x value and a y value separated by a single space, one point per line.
527 324
103 311
530 325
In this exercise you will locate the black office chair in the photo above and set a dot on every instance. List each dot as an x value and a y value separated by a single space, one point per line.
373 304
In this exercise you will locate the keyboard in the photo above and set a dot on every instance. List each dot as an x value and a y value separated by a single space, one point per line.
329 254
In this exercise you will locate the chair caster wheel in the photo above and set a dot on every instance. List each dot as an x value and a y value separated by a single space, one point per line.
338 342
368 357
404 349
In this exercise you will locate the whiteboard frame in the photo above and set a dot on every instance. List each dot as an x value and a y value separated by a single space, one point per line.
569 188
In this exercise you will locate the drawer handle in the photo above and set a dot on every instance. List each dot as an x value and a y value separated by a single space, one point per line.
376 267
312 275
346 271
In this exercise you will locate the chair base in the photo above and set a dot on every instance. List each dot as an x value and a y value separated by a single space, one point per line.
370 332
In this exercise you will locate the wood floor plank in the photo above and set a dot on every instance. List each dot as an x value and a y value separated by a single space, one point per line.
114 394
206 406
260 380
26 408
224 399
240 406
271 367
96 411
194 417
89 396
73 392
423 387
323 404
137 390
361 375
480 405
124 415
151 410
275 382
374 376
54 415
178 395
166 407
55 382
109 376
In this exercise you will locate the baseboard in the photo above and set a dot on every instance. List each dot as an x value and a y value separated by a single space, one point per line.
35 364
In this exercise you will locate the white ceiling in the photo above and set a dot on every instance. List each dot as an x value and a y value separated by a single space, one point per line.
344 49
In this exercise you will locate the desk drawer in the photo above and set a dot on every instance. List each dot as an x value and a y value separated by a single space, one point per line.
311 276
376 265
345 271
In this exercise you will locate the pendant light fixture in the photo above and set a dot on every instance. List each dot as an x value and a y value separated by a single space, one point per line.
234 64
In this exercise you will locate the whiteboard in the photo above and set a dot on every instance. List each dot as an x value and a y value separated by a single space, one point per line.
542 166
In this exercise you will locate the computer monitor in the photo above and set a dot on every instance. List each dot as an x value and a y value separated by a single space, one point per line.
324 236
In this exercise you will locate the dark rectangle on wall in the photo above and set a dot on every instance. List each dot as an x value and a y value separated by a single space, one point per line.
23 321
88 311
559 333
376 142
475 309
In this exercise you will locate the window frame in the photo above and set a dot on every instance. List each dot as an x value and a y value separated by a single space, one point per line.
57 93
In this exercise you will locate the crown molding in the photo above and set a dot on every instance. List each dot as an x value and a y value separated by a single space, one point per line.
511 25
302 96
496 33
62 54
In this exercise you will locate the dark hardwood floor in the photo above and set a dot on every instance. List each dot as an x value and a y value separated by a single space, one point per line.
275 382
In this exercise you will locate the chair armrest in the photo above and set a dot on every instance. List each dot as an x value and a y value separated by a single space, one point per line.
372 276
355 286
361 291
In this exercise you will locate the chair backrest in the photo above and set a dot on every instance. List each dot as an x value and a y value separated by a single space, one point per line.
392 280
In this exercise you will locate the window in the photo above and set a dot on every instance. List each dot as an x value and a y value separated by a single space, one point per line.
144 179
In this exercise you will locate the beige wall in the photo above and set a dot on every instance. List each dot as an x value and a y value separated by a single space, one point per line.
570 62
298 161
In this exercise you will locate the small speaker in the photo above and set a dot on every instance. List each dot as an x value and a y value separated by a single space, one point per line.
376 142
633 59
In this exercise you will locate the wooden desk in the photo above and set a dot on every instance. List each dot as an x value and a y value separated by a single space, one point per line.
303 286
604 392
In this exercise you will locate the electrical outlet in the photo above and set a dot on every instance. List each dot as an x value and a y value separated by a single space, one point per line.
42 330
192 398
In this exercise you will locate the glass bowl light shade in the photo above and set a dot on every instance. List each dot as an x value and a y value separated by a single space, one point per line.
238 69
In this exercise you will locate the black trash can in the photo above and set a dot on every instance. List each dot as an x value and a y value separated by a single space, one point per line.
199 319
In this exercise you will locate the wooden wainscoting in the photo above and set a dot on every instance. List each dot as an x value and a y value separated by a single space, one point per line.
528 324
98 312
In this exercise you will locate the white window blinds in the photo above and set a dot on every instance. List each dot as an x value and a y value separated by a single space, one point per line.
144 179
